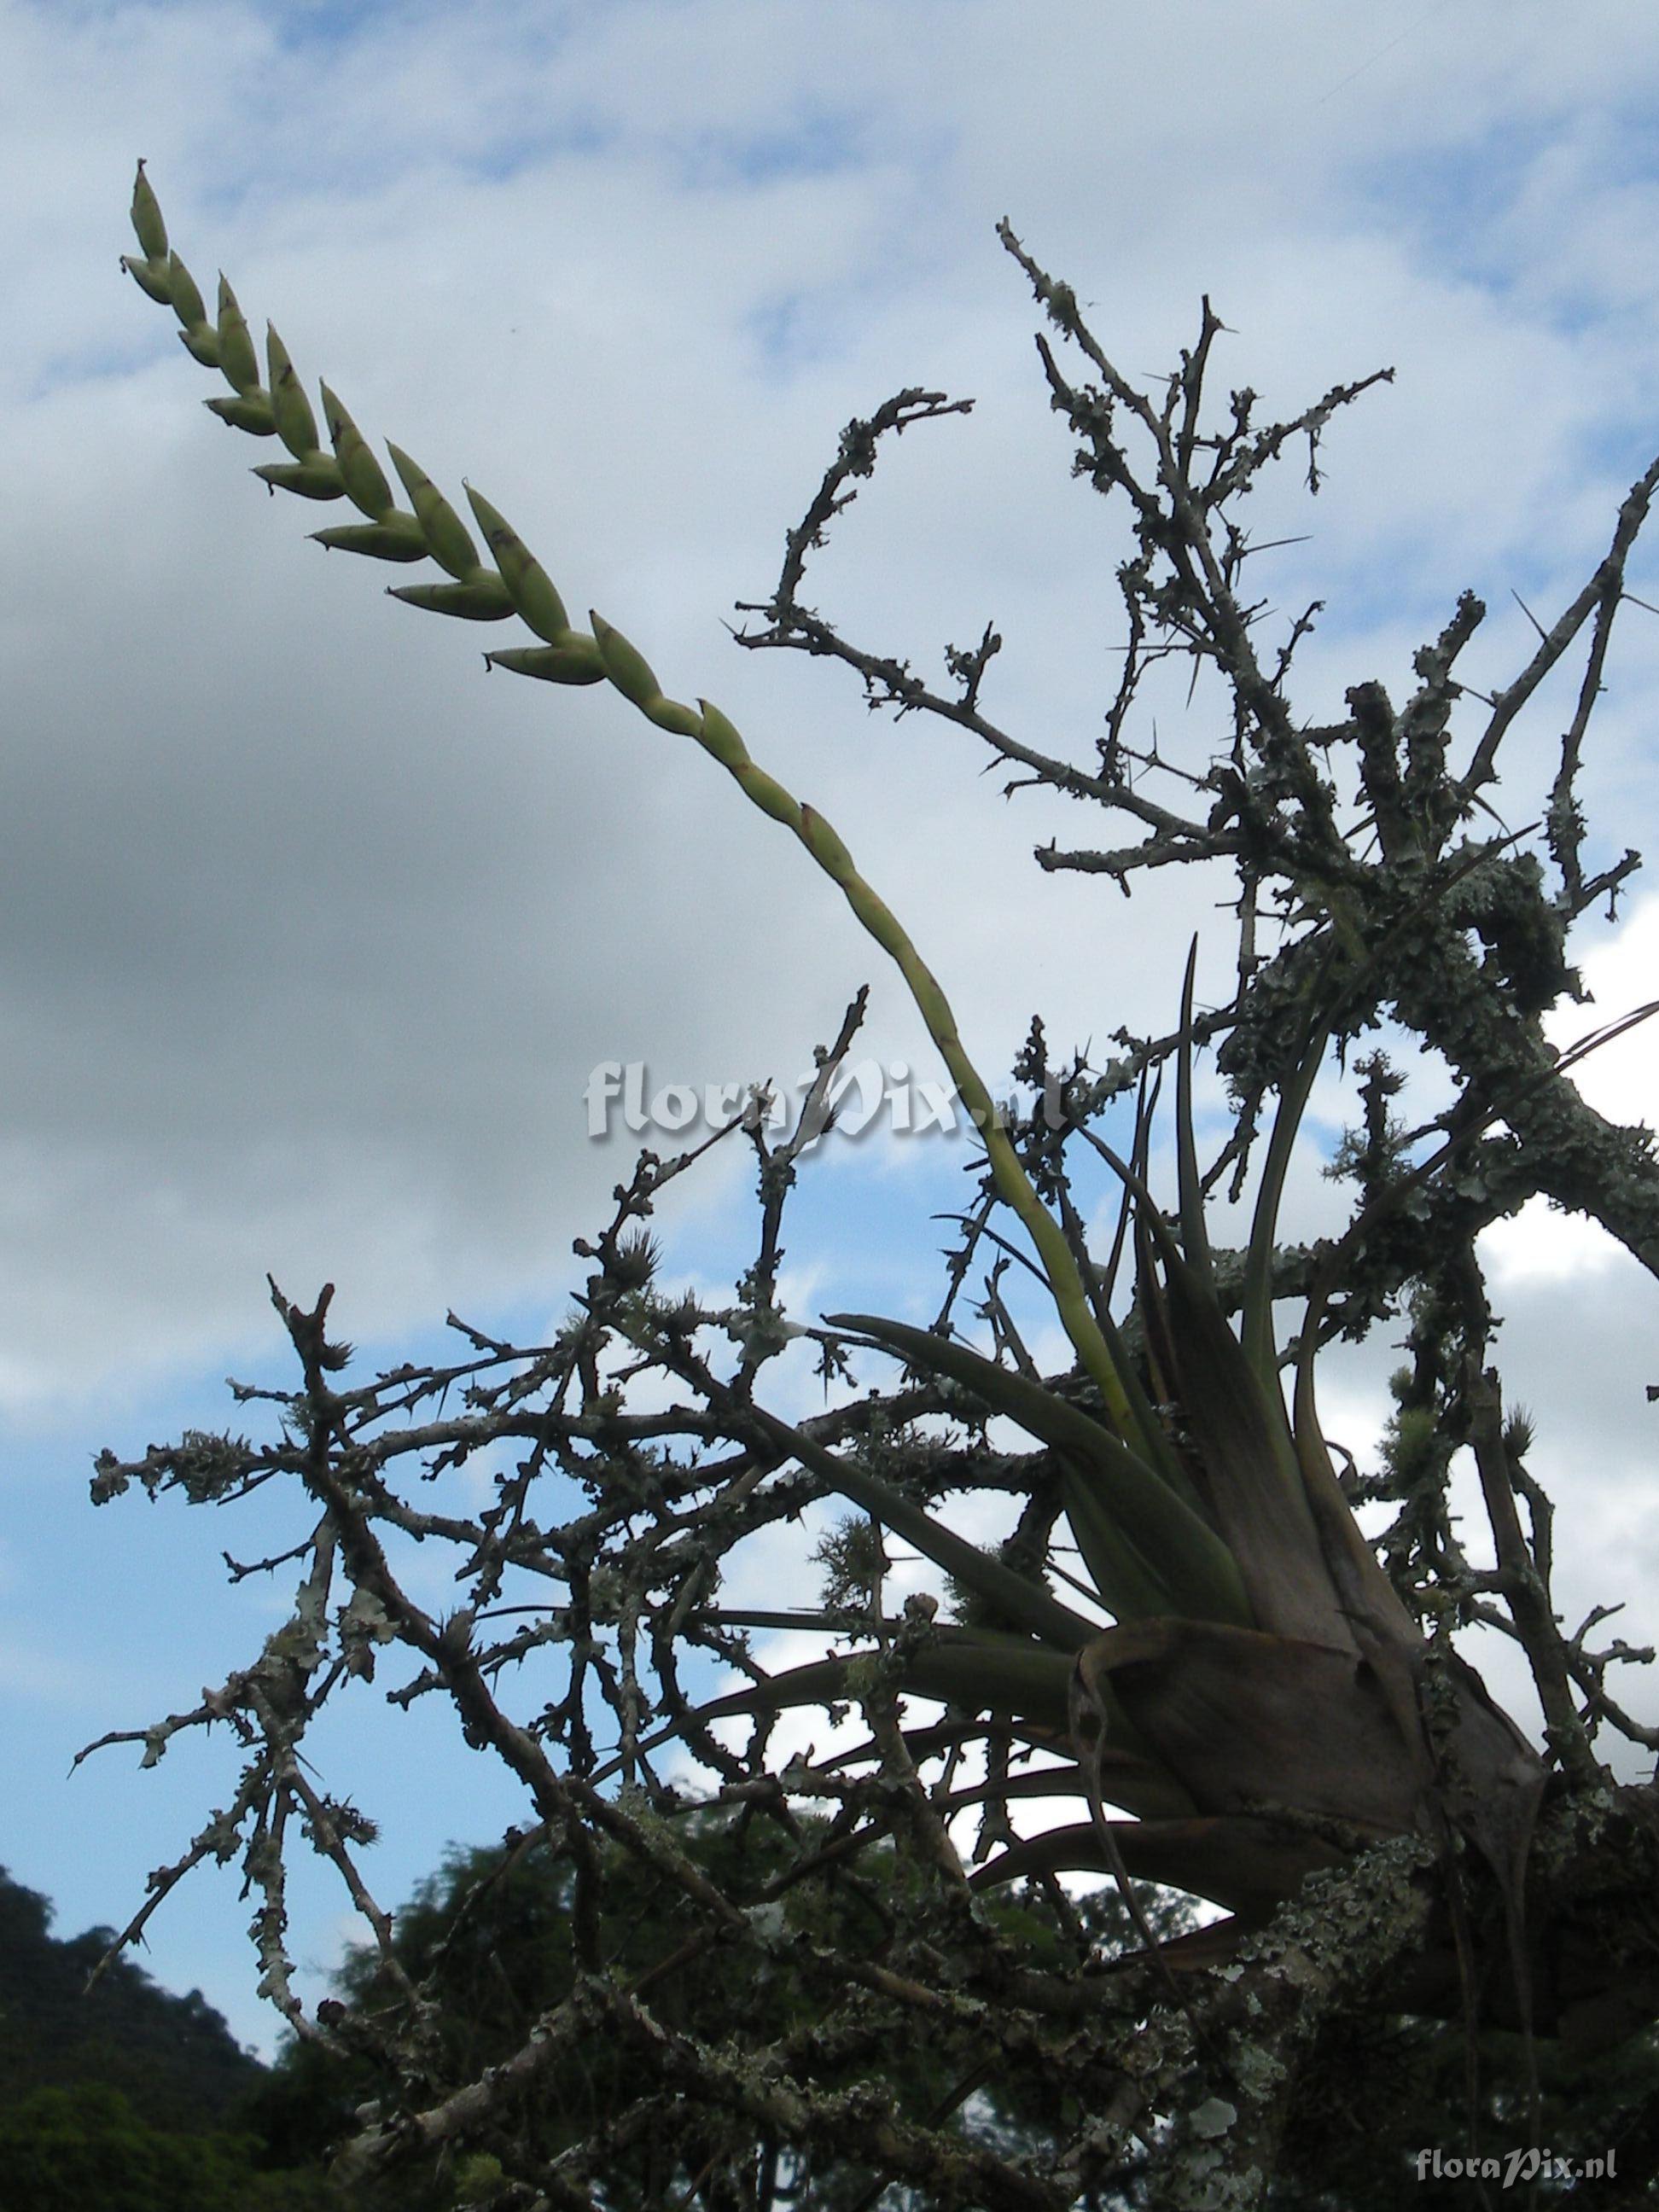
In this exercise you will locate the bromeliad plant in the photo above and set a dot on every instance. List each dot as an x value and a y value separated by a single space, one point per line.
1264 1704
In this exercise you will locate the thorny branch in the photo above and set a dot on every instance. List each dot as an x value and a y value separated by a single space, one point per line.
1377 855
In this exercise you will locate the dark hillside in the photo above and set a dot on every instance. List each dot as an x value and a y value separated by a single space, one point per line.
173 2057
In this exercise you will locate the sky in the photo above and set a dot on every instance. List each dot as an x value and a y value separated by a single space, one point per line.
313 939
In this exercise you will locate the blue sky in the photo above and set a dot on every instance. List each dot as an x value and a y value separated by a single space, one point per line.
629 269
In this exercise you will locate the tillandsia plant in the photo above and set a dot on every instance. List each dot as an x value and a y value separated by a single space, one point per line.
1270 1703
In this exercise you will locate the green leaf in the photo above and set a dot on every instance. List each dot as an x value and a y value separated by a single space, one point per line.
1022 1599
1250 1866
1169 1559
1194 1234
1252 1476
1256 1322
1013 1679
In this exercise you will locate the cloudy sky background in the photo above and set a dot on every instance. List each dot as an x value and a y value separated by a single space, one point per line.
312 938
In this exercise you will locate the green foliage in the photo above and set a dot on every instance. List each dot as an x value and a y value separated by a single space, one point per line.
492 1943
1378 2092
72 2149
123 2096
172 2057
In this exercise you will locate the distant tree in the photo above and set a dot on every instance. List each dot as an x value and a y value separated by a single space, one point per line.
491 1943
74 2149
117 2095
1278 1719
172 2057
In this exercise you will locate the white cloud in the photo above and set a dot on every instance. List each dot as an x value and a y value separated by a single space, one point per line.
1620 1078
313 939
1541 1244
